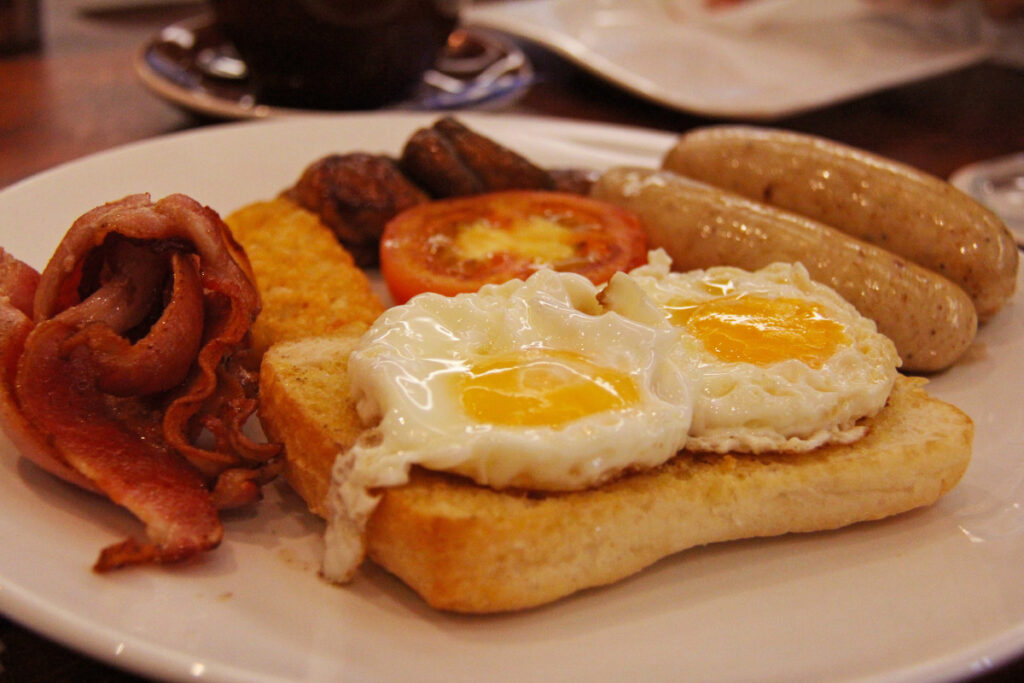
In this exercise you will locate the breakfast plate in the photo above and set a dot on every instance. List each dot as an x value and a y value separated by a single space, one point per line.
933 594
753 60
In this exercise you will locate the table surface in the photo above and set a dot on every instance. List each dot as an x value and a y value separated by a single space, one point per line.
937 125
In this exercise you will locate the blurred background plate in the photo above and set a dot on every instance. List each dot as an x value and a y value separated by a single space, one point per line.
762 60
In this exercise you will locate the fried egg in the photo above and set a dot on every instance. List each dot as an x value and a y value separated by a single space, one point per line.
524 384
778 362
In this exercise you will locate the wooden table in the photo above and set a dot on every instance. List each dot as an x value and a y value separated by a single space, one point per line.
78 95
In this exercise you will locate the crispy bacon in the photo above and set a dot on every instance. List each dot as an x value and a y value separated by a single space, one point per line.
130 359
18 283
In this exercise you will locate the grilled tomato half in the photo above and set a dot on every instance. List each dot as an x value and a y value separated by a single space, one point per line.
458 245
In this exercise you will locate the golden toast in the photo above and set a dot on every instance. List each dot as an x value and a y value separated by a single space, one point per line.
468 548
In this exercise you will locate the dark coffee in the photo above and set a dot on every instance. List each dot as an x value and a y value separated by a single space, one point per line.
336 54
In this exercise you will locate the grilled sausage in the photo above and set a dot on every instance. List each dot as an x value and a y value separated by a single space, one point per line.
894 206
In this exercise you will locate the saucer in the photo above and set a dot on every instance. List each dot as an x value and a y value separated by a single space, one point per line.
192 65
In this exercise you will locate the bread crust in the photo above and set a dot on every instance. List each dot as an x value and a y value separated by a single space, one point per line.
304 404
467 548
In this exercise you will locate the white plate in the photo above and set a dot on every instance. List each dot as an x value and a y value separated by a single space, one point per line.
763 60
931 594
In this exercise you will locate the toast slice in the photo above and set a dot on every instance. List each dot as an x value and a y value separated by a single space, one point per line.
468 548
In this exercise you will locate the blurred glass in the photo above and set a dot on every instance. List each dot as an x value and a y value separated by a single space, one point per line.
999 185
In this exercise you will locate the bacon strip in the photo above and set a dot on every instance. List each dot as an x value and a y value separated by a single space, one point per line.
18 283
129 358
105 441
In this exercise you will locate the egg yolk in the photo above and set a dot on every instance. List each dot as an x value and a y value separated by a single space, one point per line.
761 331
543 387
536 239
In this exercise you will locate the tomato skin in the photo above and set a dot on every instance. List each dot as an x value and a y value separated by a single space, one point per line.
418 248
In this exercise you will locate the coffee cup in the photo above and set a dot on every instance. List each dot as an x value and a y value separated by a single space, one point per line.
336 54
